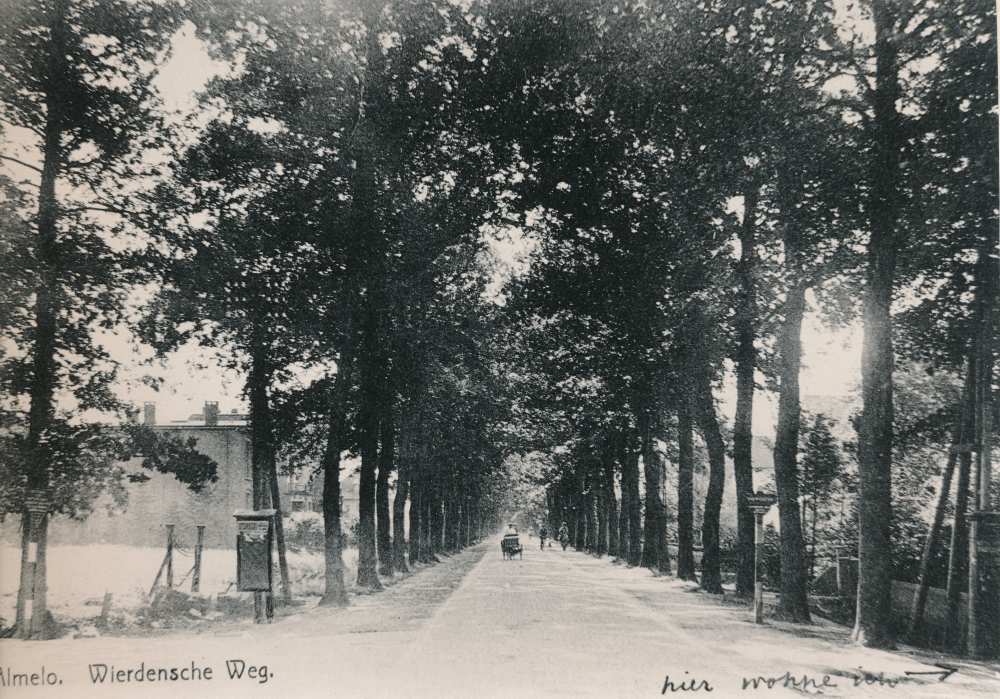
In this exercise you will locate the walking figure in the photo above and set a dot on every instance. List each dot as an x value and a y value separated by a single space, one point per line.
564 535
543 534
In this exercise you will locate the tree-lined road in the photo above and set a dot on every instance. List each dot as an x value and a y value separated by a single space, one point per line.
551 624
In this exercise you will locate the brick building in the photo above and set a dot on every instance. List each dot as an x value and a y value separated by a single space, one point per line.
161 500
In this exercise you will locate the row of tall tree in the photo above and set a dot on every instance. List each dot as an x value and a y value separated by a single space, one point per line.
643 285
689 173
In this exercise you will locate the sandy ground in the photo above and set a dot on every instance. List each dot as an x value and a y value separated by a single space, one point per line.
79 576
555 624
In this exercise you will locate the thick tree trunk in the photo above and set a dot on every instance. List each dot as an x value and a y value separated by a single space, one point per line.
260 427
425 523
33 584
466 539
793 604
451 516
872 625
685 494
386 458
962 434
368 422
437 522
601 504
427 548
654 550
593 525
959 555
983 640
261 446
633 517
279 530
611 503
746 321
335 592
580 515
399 506
624 536
704 404
650 472
416 505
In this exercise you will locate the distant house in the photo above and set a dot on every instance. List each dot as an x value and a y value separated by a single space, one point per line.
162 499
350 491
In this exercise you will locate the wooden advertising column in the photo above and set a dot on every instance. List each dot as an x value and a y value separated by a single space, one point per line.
760 504
254 560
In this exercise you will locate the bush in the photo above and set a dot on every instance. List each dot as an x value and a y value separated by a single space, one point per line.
304 532
771 557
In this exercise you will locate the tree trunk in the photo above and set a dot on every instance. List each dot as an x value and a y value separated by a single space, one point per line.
466 539
793 604
335 592
959 555
611 503
711 569
399 505
38 454
593 526
962 434
368 423
601 504
654 550
630 486
450 521
746 321
872 625
685 494
416 505
650 472
425 523
279 530
386 458
437 522
983 640
580 515
624 537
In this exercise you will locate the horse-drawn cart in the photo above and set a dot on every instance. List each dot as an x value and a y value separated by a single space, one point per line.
511 546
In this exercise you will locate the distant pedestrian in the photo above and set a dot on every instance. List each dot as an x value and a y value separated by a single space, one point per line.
543 533
564 535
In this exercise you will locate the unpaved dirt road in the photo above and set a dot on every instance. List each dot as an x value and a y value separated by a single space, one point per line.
553 624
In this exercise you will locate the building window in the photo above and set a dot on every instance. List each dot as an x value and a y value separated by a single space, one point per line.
298 506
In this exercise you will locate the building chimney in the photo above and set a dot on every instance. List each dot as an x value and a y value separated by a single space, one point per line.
149 413
211 413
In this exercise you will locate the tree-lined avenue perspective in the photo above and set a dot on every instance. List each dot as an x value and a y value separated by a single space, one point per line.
687 181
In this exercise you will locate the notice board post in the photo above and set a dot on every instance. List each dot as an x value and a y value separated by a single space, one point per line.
255 533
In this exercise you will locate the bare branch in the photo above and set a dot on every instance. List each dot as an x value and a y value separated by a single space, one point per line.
859 74
915 10
910 41
22 163
32 129
72 165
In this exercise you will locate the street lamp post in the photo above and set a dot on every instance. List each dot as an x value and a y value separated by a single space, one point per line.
760 504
